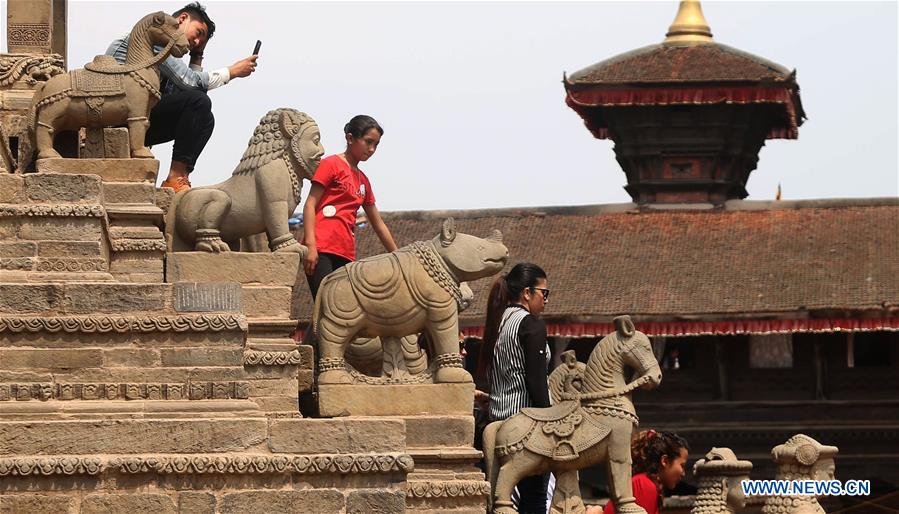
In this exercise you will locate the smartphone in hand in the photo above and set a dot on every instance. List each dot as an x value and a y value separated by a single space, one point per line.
256 48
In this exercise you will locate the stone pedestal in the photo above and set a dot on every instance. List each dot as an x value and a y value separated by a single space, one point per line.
439 437
264 281
395 400
52 228
136 243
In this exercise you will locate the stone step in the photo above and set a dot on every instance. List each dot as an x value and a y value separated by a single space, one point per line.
133 436
129 193
258 269
49 188
145 409
112 170
85 298
54 276
52 222
144 214
267 301
438 431
405 399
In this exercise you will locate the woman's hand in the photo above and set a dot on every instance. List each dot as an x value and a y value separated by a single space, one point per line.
311 260
481 399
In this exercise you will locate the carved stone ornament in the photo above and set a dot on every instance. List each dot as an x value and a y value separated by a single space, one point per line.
719 474
107 94
137 245
29 34
591 421
414 289
259 197
127 391
263 358
208 464
125 324
447 488
53 210
29 68
800 458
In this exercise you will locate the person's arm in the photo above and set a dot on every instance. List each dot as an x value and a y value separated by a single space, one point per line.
380 228
315 195
193 76
532 337
182 76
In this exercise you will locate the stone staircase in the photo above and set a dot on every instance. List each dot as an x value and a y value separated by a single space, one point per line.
135 381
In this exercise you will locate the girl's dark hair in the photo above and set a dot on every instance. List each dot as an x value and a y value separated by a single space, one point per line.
360 124
649 446
198 13
506 288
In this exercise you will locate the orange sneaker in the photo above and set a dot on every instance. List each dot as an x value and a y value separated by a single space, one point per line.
178 183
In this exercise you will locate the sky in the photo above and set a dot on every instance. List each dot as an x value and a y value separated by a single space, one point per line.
471 99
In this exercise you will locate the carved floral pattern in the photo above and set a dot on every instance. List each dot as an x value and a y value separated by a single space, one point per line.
138 245
71 265
257 357
128 391
29 34
78 210
125 324
209 464
30 67
447 488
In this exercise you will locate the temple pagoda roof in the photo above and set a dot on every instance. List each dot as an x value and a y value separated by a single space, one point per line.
687 68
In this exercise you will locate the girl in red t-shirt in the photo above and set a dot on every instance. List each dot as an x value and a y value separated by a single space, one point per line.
339 188
659 459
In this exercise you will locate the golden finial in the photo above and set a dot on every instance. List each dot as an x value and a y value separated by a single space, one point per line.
689 25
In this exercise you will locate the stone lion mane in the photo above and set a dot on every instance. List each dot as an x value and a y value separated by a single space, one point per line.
276 137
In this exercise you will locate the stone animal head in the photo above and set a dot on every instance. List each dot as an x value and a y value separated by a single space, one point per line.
468 257
803 457
161 30
623 349
284 134
720 474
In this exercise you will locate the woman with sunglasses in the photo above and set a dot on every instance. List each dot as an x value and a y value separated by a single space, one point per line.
514 357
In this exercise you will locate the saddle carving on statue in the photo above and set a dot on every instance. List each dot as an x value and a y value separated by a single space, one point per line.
560 432
86 83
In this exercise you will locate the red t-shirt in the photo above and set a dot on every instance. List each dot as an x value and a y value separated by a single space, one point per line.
646 493
335 215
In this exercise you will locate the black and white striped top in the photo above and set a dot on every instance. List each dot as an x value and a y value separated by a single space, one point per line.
520 360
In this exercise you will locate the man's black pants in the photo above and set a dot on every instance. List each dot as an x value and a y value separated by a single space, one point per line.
185 117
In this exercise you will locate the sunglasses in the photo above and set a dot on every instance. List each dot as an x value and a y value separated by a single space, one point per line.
543 291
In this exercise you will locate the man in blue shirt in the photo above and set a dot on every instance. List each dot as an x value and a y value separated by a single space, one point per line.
184 113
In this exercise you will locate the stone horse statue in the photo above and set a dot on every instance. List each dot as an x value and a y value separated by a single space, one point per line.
108 94
591 421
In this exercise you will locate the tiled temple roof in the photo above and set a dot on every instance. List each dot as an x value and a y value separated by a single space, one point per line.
749 259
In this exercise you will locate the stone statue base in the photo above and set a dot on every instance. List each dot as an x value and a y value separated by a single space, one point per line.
395 400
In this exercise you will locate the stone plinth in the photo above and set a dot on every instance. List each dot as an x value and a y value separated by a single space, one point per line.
263 282
258 269
109 170
395 400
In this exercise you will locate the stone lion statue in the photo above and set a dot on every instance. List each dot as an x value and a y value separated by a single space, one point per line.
259 197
